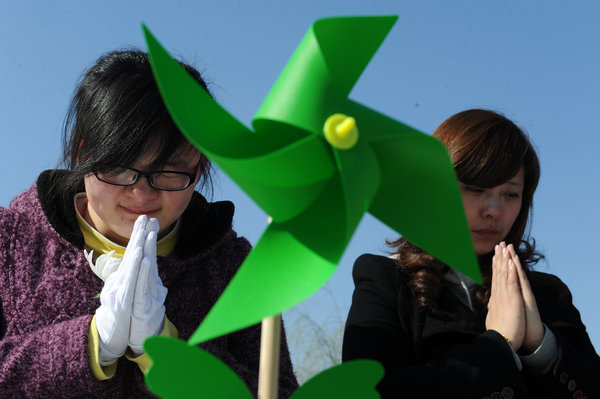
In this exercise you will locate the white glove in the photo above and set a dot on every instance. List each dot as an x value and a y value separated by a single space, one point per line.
148 314
113 317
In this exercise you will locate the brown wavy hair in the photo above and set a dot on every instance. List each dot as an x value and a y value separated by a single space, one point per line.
486 149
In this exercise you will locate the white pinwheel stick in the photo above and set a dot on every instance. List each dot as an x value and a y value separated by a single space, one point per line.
268 372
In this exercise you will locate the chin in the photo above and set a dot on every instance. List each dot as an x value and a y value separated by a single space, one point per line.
484 250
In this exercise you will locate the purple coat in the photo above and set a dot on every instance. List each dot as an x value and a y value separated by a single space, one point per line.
47 297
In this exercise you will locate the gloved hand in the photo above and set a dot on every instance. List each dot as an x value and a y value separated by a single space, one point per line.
147 317
113 317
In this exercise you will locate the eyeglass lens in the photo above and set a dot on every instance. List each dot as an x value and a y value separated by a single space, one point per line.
159 180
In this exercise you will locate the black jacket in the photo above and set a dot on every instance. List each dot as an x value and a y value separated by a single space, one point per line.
452 355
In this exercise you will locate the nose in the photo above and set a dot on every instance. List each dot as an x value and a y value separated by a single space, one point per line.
142 188
492 208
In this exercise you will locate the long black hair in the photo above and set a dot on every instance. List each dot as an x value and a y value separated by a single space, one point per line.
117 115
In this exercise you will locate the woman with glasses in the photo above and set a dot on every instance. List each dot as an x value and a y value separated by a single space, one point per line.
437 333
116 247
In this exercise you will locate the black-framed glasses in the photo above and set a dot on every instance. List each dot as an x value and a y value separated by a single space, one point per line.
164 180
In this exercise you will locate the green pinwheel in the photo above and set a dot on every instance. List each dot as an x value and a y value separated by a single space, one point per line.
183 371
316 162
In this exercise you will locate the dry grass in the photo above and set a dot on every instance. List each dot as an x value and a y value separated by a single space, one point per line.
315 340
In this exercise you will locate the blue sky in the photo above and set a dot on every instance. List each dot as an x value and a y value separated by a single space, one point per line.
536 61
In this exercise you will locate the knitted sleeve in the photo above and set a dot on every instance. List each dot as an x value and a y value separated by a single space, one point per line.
40 359
50 362
3 251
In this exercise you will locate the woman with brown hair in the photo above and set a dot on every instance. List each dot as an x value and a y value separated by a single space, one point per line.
437 333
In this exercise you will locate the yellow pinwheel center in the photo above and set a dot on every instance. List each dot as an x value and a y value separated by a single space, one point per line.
341 131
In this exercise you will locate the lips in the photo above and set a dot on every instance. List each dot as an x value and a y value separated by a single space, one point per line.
486 232
136 211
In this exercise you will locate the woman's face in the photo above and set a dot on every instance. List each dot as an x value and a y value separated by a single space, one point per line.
491 212
112 210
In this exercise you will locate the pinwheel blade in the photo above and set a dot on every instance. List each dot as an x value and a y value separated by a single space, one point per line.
290 262
183 371
360 180
351 380
419 197
325 66
265 284
282 168
348 44
199 117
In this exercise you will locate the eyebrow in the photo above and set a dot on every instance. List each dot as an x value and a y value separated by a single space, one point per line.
515 183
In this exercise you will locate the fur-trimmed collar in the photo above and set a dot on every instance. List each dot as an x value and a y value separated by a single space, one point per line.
202 224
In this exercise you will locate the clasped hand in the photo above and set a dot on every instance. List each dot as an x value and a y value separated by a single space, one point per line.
512 309
132 299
